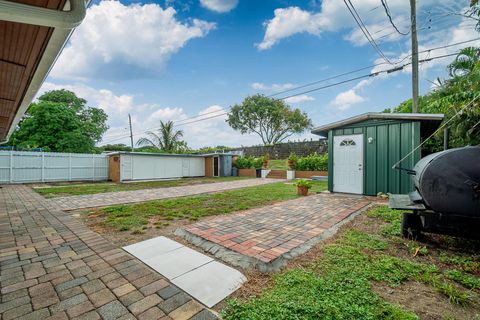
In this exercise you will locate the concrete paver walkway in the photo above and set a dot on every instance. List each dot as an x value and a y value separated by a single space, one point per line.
265 238
202 277
122 197
54 267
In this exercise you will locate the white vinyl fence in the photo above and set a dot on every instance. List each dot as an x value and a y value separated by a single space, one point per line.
23 167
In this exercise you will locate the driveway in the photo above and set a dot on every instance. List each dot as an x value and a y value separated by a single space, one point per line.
54 267
122 197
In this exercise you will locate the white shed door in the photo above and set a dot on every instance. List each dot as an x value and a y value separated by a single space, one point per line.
348 163
126 165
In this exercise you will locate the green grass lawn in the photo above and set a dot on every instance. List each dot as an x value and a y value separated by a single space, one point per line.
102 187
278 164
126 217
338 283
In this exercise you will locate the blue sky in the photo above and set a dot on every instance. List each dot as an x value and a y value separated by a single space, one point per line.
173 60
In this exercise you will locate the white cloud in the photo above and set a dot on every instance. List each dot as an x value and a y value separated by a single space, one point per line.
114 105
275 87
333 16
219 5
120 41
299 99
289 21
346 99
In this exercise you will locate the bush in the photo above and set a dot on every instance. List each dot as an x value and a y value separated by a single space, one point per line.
313 162
248 163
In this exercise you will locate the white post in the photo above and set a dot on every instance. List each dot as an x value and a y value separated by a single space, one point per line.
43 167
11 166
69 167
93 167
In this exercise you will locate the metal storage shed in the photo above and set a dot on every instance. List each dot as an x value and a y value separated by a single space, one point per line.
218 164
363 149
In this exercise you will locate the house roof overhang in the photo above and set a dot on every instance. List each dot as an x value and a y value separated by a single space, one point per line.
422 117
32 35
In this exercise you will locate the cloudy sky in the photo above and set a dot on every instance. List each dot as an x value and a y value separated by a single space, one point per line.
191 60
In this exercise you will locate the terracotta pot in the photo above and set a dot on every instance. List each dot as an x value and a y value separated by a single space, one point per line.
290 164
302 190
265 164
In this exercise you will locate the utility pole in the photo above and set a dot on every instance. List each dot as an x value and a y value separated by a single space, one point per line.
413 14
131 133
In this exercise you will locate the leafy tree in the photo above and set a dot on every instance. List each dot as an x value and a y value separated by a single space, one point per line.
166 139
60 121
450 97
115 147
273 120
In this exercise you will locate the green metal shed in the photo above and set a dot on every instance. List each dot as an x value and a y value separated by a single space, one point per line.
363 149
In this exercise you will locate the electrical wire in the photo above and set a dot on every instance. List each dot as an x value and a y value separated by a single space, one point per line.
387 11
369 75
363 28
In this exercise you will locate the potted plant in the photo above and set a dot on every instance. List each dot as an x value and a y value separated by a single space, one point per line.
303 186
265 160
292 159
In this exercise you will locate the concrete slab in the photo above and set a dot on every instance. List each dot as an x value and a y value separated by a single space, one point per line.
177 262
210 283
152 248
197 274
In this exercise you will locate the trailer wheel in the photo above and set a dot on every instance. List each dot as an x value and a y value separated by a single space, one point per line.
411 225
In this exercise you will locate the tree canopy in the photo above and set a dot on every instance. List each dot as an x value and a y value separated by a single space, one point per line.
273 120
60 121
452 97
166 139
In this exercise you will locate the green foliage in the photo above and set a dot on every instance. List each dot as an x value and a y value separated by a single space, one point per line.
273 120
465 263
464 279
166 139
248 163
114 147
449 98
214 149
304 183
313 162
60 121
125 217
339 290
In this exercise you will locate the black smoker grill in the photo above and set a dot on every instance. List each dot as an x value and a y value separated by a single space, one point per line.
446 199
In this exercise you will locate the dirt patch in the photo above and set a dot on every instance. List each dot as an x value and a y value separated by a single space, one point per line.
424 301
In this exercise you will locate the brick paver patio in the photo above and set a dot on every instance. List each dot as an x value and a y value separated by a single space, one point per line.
54 267
122 197
265 238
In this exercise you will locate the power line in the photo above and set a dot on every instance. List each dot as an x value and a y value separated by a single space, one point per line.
363 28
369 75
387 11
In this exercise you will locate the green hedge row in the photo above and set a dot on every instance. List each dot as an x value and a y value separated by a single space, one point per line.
313 162
248 163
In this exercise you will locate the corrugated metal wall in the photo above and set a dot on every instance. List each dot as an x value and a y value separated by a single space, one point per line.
392 140
22 167
148 167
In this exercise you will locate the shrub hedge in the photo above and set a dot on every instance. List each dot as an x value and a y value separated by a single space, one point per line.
313 162
248 163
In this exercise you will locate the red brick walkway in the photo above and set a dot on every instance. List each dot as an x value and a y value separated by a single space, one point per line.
54 267
266 237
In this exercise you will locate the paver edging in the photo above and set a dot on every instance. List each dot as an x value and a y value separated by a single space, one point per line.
243 261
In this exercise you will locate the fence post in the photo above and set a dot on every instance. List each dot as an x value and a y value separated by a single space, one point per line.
11 166
43 167
93 167
69 167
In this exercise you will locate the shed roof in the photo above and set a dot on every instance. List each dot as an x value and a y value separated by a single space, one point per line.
323 130
157 154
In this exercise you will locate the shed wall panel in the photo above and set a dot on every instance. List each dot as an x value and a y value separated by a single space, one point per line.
148 167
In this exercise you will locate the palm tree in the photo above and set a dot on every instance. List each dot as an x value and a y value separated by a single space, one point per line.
465 61
166 138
